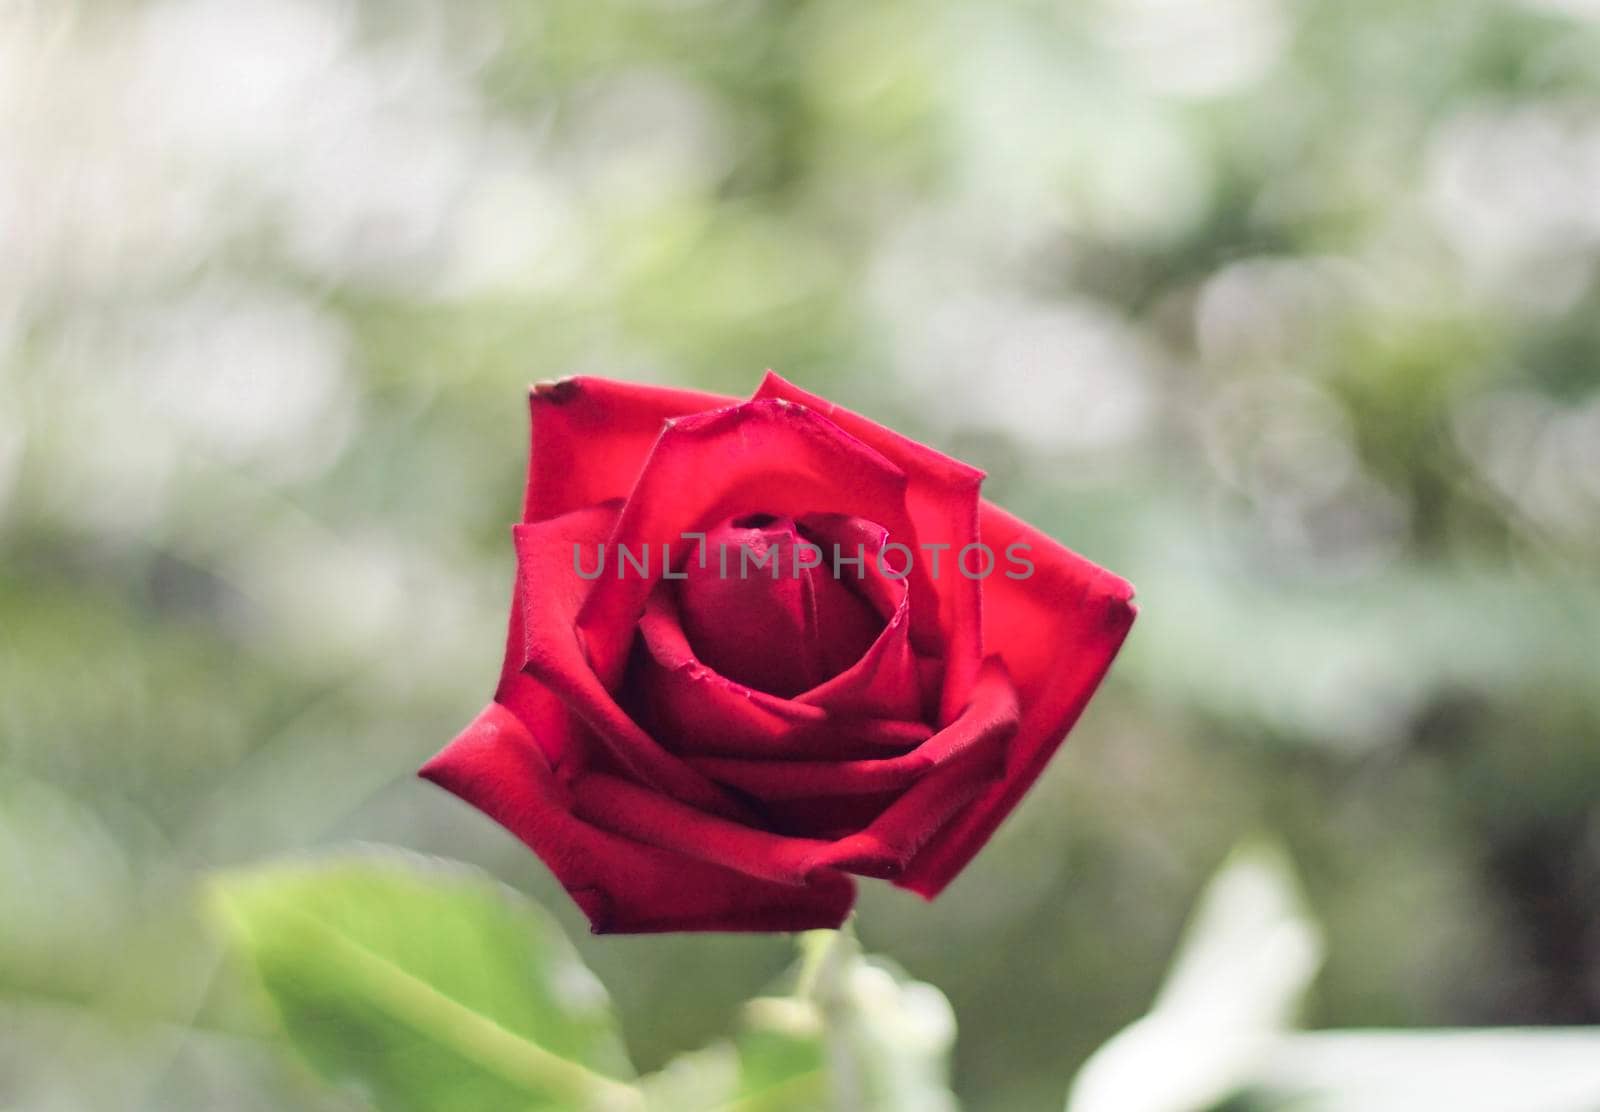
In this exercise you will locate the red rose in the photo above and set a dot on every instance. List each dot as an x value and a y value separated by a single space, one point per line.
853 664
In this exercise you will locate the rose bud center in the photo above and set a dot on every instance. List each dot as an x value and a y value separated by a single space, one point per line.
766 609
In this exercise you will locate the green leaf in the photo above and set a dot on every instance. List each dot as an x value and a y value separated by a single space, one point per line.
427 986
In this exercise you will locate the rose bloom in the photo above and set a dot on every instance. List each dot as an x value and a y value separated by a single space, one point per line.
693 750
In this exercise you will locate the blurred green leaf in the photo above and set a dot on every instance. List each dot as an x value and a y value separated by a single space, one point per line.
853 1033
426 985
63 884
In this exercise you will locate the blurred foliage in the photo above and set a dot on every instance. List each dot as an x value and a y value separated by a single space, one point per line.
1246 960
1222 1030
427 992
420 985
1285 309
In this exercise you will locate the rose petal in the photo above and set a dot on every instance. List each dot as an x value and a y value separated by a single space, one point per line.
552 591
767 456
886 681
591 437
783 630
640 814
988 721
696 709
545 715
620 884
968 758
1058 631
942 499
645 816
863 564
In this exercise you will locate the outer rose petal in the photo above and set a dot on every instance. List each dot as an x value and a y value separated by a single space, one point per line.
620 884
942 498
1058 631
954 766
545 715
552 653
591 436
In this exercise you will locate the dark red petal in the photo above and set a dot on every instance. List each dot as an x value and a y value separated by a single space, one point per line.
624 807
552 592
864 566
988 722
886 681
620 884
1058 631
783 630
912 821
963 762
942 499
591 436
702 711
767 456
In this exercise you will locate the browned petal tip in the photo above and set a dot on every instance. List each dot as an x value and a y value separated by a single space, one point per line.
861 854
596 907
554 390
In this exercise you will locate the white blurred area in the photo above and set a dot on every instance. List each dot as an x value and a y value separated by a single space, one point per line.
1515 188
142 140
177 181
185 188
1225 1024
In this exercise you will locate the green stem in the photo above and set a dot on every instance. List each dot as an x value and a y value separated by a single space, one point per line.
826 955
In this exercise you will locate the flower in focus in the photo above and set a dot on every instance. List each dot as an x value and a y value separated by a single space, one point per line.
757 647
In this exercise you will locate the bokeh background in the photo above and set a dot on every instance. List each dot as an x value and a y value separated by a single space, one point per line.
1284 309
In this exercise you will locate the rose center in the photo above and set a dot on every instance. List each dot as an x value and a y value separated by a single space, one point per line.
767 609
